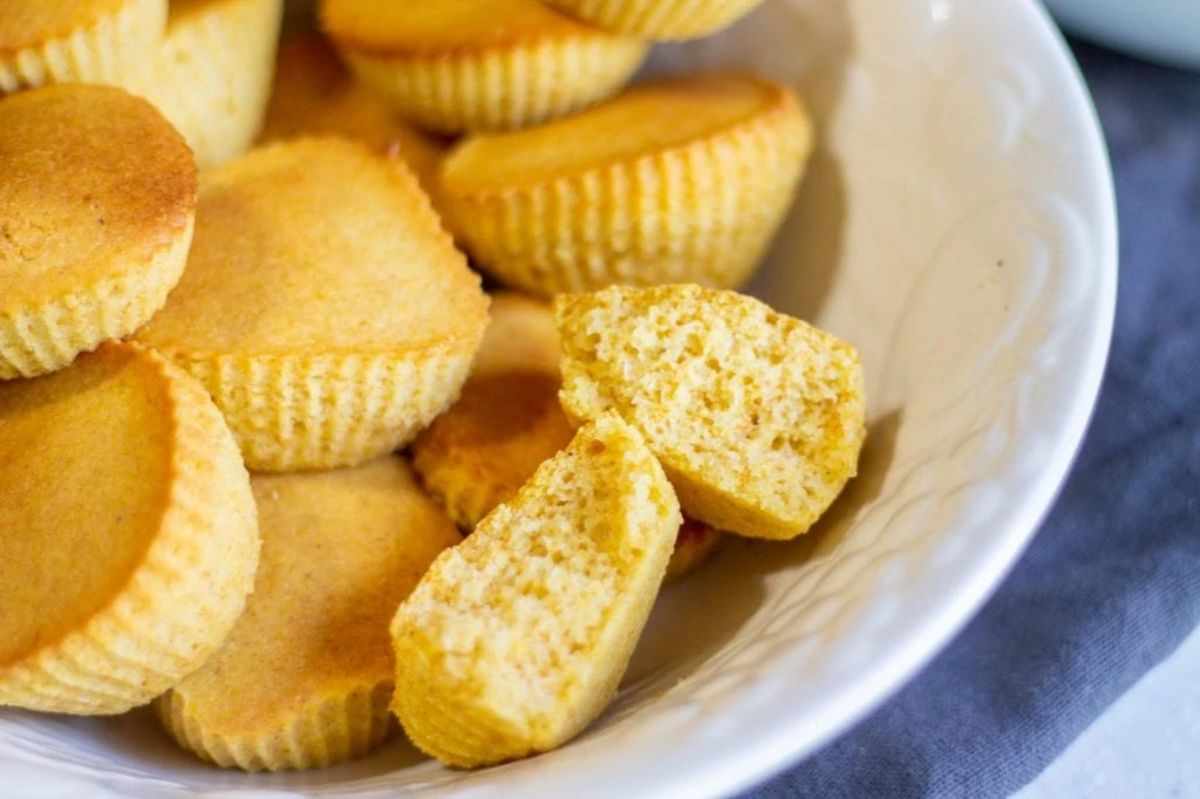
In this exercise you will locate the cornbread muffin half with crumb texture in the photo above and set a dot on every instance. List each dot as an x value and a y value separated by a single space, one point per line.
305 678
130 540
458 65
323 306
111 42
517 638
212 77
97 203
758 418
662 20
678 180
315 95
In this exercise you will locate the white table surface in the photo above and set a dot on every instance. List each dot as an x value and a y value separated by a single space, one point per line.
1146 746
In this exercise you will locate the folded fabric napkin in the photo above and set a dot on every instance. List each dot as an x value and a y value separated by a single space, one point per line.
1111 584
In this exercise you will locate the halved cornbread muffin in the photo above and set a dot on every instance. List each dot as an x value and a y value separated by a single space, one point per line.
455 65
508 422
663 20
680 180
112 42
323 305
758 418
305 678
130 541
213 73
97 201
315 95
517 638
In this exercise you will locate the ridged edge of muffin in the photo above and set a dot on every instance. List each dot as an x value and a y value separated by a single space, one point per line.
661 20
293 411
501 88
186 594
334 730
636 222
47 337
207 60
116 49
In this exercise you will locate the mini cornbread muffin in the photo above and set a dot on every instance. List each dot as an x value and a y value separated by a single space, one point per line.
305 678
314 94
758 418
213 73
508 422
456 65
517 638
130 541
97 202
662 20
681 180
78 41
324 307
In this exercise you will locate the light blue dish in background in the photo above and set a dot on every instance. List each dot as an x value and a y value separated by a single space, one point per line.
1163 30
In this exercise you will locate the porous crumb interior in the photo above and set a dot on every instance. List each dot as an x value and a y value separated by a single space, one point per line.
516 612
723 387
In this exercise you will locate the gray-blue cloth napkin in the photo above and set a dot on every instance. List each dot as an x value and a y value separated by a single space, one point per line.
1111 584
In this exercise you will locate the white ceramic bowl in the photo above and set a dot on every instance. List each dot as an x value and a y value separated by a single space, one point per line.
1165 30
958 226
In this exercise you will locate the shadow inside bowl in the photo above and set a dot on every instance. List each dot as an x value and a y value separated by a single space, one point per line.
697 617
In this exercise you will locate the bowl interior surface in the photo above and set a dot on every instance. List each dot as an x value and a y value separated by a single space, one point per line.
957 226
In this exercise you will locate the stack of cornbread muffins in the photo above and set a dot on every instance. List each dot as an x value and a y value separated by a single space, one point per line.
253 395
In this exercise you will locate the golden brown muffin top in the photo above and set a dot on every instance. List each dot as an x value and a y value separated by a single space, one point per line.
25 23
439 26
340 550
641 121
315 95
93 183
317 246
85 465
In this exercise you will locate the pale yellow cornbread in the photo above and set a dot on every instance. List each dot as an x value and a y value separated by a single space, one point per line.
758 418
662 20
314 94
683 179
516 639
456 65
97 201
130 540
323 305
78 41
213 73
305 678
